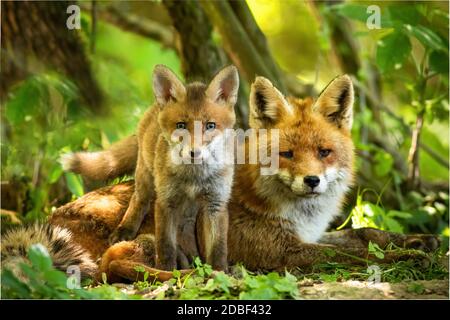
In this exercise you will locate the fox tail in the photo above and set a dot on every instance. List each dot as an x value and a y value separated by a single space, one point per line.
58 242
120 159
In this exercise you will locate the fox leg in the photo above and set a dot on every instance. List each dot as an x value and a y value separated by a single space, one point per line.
212 232
361 238
121 260
140 203
308 254
166 225
187 238
140 251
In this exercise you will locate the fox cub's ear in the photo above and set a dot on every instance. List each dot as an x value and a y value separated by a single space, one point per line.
224 87
167 86
267 104
336 102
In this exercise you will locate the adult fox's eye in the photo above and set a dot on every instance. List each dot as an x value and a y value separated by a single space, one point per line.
323 153
210 125
287 154
181 125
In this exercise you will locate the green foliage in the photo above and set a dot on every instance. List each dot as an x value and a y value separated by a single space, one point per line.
375 250
392 51
423 267
423 213
40 280
270 286
45 118
411 53
245 285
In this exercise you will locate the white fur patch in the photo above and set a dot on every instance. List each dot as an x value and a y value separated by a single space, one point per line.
66 160
310 216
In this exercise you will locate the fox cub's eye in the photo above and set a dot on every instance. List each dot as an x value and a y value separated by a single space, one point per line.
210 125
181 125
287 154
323 153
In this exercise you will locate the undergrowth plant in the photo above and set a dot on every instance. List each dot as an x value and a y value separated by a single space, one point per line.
38 279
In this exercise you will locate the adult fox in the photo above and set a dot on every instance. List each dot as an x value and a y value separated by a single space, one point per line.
275 221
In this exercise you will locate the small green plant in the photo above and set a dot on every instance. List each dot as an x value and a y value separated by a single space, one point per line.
144 284
374 249
40 280
421 266
203 283
416 288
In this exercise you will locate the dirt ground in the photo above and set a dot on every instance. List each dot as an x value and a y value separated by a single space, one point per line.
433 289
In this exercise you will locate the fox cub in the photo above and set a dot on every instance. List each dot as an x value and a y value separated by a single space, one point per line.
185 179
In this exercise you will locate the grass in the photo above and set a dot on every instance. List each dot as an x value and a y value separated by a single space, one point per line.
39 280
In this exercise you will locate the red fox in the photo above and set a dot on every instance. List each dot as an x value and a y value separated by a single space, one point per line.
178 191
275 221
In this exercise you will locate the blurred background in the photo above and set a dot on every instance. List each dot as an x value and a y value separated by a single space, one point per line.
65 89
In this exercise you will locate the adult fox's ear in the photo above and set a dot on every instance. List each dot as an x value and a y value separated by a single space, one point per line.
336 102
267 104
224 87
167 86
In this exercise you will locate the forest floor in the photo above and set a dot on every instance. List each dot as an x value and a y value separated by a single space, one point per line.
422 289
347 290
331 281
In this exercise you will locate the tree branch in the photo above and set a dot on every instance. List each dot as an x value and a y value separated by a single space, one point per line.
238 44
141 26
248 23
439 159
93 25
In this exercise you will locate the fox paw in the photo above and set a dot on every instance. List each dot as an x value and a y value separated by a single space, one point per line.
121 234
424 242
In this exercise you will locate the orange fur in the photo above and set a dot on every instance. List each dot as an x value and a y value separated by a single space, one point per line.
275 221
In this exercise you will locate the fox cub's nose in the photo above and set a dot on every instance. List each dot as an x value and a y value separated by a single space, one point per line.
195 153
312 181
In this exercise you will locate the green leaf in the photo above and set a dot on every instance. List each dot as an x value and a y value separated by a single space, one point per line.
329 252
328 277
379 255
374 249
416 288
55 278
55 174
223 281
139 268
353 11
286 286
104 278
259 294
393 225
176 273
392 51
399 214
359 12
74 183
24 101
13 287
383 163
404 13
427 37
438 61
39 257
372 210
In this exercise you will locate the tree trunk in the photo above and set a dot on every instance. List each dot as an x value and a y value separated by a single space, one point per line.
34 34
200 56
